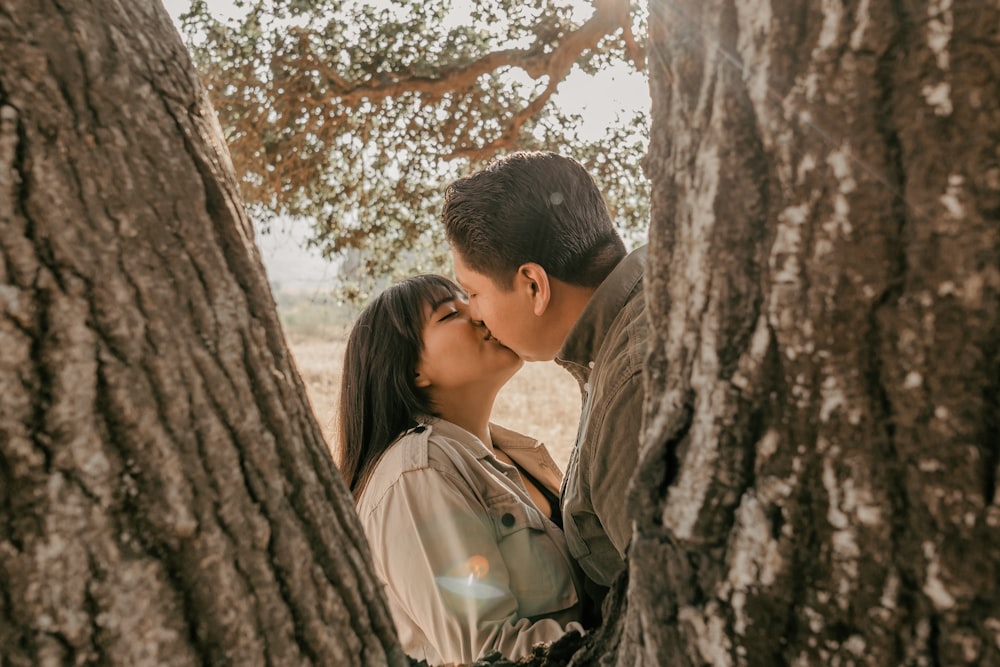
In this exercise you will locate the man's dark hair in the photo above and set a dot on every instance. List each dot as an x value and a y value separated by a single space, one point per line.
532 207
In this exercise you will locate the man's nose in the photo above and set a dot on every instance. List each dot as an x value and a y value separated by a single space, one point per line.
474 311
465 310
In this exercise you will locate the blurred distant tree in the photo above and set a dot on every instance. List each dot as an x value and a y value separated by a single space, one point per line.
354 114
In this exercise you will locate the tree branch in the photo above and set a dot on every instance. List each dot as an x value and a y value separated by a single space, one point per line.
509 136
609 16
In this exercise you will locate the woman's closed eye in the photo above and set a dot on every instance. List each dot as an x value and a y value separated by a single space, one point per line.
449 308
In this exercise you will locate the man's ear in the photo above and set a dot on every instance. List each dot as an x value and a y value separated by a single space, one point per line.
535 280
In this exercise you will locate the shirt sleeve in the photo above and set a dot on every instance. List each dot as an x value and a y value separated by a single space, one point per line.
615 458
435 546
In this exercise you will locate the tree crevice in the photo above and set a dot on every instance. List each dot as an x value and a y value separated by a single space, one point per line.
330 562
991 428
272 516
134 519
93 609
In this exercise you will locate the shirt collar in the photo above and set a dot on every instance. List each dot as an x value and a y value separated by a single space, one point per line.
507 440
503 438
587 335
529 454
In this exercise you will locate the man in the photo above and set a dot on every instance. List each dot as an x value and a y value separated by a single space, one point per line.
534 246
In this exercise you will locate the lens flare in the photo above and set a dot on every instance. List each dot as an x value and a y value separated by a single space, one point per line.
467 578
477 566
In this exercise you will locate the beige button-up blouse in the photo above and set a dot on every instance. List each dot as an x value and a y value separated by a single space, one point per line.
469 562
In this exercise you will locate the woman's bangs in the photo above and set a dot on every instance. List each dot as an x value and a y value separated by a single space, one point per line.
415 297
438 289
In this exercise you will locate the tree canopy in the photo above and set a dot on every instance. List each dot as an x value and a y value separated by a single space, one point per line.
353 115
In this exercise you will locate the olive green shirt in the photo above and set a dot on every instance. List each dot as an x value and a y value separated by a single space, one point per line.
605 351
470 564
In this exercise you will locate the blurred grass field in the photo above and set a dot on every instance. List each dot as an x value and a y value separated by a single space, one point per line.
542 400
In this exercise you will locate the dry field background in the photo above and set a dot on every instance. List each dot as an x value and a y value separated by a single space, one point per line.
542 400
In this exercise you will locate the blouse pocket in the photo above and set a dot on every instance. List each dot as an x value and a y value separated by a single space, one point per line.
535 557
510 515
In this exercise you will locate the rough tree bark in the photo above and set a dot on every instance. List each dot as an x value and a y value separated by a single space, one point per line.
166 497
818 484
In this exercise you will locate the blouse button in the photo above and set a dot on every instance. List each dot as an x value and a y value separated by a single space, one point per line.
507 519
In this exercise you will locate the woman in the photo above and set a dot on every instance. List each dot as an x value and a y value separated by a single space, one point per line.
461 514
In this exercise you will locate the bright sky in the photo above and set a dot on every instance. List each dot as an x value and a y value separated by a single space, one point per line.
621 90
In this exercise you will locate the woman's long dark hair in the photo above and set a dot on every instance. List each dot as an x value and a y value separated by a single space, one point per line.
379 398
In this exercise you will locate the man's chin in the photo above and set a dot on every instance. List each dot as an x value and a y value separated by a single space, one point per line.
496 341
515 354
527 355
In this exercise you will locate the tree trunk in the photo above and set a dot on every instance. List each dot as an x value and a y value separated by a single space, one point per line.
818 482
166 497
